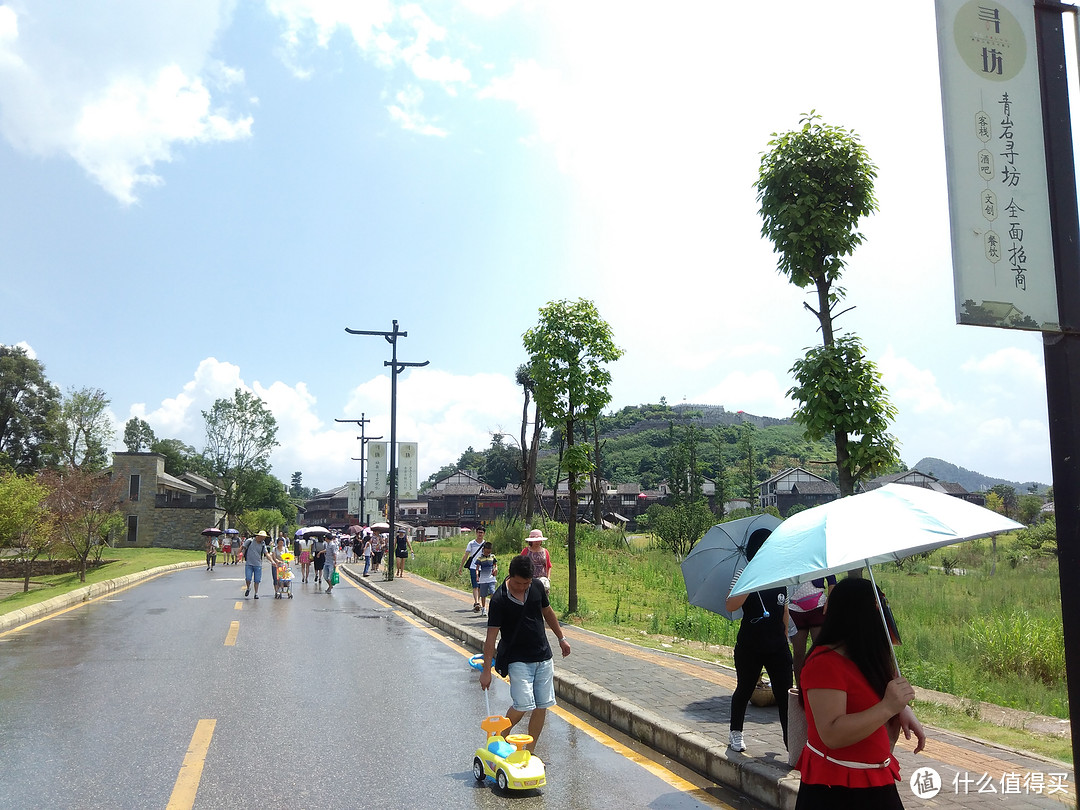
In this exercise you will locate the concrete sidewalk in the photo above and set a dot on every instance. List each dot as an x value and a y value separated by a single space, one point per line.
679 707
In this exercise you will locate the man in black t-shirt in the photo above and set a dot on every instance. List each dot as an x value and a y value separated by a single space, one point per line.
519 610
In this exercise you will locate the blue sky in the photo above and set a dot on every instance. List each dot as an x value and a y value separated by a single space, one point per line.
201 194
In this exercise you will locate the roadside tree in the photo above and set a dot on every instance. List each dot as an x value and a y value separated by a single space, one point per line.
240 434
86 507
530 451
814 185
28 406
569 350
26 530
137 435
84 431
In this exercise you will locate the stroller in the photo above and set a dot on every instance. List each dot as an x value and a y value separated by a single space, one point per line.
285 576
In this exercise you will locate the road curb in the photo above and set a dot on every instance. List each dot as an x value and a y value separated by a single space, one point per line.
761 780
9 621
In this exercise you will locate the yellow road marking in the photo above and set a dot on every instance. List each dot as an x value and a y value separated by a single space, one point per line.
230 637
187 783
239 605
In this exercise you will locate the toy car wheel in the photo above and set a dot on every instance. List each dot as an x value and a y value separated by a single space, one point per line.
478 769
501 780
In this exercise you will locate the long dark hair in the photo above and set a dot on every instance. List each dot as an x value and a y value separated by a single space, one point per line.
852 620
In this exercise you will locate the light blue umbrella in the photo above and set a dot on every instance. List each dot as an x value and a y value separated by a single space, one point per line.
710 566
889 523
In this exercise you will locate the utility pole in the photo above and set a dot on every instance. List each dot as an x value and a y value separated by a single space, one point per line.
396 368
1061 351
362 516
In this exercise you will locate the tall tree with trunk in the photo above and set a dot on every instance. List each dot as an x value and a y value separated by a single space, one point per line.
814 185
529 455
86 507
85 429
240 434
28 411
26 526
569 350
137 435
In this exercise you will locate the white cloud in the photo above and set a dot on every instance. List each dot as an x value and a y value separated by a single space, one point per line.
444 413
117 96
757 392
910 386
408 115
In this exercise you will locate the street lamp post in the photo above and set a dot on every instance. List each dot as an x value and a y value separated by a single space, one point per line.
396 368
362 515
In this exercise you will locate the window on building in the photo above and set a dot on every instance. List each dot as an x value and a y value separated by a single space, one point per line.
133 527
133 488
629 500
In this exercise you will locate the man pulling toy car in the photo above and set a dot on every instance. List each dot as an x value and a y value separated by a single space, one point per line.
519 610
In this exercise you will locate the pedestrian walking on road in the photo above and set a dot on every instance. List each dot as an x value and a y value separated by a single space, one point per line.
762 642
856 707
367 553
379 546
487 575
211 552
254 550
329 566
541 560
318 557
473 549
402 548
519 612
304 555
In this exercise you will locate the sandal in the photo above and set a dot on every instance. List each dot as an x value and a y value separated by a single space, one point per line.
476 607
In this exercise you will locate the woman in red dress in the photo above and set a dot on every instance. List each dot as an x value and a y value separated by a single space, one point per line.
856 705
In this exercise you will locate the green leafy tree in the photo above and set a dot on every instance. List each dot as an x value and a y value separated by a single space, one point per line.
86 507
569 350
814 185
28 412
84 431
240 434
842 394
181 458
137 435
1028 508
25 522
500 466
678 528
1008 497
747 463
263 520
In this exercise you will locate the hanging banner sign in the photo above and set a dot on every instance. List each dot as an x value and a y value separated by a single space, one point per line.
999 209
406 471
354 497
377 478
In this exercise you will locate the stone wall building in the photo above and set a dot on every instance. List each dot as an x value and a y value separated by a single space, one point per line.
161 510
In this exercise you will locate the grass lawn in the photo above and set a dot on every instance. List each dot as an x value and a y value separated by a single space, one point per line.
127 561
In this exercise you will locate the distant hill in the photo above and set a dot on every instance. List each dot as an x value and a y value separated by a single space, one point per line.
970 480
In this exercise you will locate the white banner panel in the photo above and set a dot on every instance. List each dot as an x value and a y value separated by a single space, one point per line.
406 471
999 210
376 480
354 497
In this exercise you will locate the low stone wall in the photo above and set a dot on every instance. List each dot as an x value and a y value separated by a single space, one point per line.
43 568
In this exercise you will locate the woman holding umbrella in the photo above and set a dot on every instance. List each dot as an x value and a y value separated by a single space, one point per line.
762 642
856 706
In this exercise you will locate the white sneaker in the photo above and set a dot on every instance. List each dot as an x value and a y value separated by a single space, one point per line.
483 611
735 741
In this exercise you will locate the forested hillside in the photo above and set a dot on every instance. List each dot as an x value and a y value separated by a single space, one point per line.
636 445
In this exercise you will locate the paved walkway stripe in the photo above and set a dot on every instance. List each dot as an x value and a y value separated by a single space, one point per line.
230 637
187 783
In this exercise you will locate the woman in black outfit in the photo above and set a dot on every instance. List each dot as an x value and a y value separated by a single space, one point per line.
762 642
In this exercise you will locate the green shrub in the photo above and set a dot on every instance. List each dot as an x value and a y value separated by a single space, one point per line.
1020 644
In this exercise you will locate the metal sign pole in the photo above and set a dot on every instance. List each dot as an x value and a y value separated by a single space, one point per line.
1062 350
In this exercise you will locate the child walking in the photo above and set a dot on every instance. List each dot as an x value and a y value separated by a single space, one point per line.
487 569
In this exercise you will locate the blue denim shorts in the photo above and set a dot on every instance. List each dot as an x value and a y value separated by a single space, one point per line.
532 685
253 572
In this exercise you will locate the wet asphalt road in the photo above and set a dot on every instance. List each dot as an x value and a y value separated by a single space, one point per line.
320 702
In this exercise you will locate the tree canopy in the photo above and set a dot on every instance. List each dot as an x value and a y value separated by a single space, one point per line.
28 408
569 350
240 434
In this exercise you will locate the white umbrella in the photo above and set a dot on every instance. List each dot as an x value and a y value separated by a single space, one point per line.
316 530
889 523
